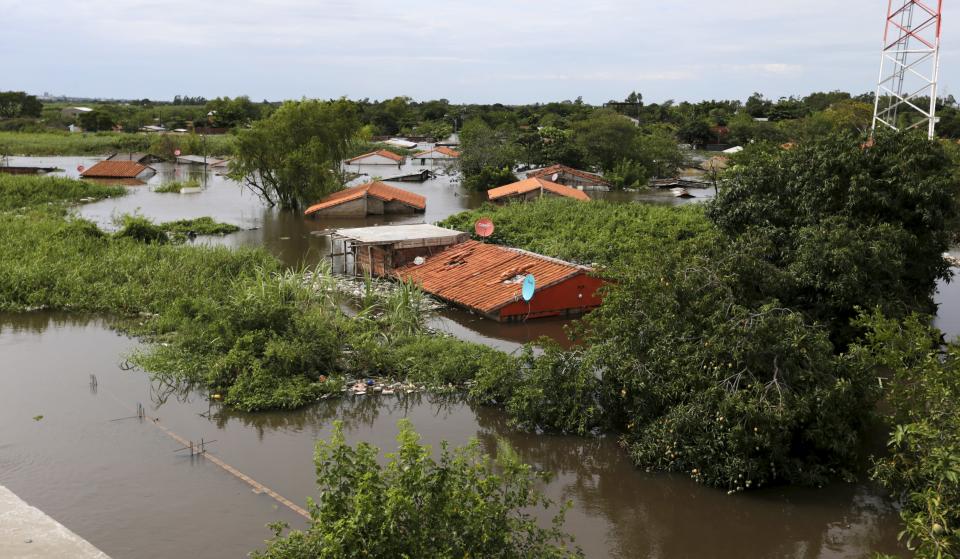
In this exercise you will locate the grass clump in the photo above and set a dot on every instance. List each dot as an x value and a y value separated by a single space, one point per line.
176 186
201 226
19 191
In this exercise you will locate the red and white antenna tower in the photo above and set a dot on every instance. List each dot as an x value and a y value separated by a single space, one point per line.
909 64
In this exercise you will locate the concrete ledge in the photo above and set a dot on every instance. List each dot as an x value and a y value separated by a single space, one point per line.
27 533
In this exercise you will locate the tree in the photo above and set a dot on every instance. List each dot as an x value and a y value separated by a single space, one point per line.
658 152
757 106
293 157
695 131
463 504
846 226
15 104
485 150
96 120
229 113
605 138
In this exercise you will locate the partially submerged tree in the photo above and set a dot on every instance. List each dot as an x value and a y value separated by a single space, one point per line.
294 157
463 504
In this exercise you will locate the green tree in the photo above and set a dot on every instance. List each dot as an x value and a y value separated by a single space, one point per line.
229 113
96 120
658 152
293 157
462 504
486 150
695 131
605 138
15 104
847 226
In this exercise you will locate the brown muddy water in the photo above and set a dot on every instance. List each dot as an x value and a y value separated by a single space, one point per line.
122 485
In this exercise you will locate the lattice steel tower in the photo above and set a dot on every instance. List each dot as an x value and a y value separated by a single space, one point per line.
909 63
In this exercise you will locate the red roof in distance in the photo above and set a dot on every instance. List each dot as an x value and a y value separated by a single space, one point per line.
382 152
531 184
115 170
376 189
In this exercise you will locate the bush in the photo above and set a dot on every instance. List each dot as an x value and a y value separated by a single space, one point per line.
463 504
489 177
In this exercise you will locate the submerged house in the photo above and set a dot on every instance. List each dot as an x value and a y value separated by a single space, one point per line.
439 154
379 157
142 158
533 188
487 279
118 170
374 198
568 176
379 251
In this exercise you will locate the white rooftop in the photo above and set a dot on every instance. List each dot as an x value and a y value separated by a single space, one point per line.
387 234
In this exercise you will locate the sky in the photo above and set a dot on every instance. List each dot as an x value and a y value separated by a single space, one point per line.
478 51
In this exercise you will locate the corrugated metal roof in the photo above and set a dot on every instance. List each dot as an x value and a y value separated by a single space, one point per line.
376 189
485 277
115 170
389 234
549 171
531 184
382 152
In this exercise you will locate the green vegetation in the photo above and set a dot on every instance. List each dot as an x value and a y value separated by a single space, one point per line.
922 469
66 143
293 157
463 504
18 191
14 104
176 186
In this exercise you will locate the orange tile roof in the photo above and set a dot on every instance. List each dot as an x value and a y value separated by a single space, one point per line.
115 170
548 171
376 189
439 149
383 152
485 277
535 183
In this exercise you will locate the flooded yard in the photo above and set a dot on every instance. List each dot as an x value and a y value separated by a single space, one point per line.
70 447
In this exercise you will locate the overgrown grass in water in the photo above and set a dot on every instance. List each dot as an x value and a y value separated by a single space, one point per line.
176 186
19 191
99 143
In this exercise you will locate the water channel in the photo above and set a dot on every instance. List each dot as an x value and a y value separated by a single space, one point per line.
120 484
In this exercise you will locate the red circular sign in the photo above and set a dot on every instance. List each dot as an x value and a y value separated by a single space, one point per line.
176 152
483 227
80 168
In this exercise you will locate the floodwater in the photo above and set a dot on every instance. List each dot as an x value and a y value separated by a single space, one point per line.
122 484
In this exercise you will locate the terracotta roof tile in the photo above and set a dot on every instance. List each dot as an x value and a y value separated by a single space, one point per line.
531 184
115 170
439 149
485 277
377 189
549 171
383 152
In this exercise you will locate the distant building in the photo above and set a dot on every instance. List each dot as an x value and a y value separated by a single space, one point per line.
378 251
118 170
568 176
375 198
531 189
439 154
142 158
379 157
487 279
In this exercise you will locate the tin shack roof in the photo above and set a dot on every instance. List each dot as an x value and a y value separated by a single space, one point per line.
531 184
419 234
115 170
485 277
376 189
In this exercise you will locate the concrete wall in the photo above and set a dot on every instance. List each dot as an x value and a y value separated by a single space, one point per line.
28 533
571 297
398 208
353 208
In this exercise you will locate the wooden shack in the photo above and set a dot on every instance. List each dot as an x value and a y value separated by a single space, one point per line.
380 250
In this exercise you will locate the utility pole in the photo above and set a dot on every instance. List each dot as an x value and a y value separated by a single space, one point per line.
906 95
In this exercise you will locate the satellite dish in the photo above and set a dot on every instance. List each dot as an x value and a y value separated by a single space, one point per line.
419 261
554 177
81 168
176 152
529 286
483 227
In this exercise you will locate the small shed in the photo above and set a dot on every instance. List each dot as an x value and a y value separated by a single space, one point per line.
378 251
531 189
379 157
374 198
568 176
439 154
118 170
488 279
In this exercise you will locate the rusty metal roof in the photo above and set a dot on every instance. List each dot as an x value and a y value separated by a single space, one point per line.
560 169
376 189
535 183
382 152
485 277
115 170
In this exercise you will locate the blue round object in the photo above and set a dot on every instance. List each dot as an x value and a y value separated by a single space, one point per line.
529 286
